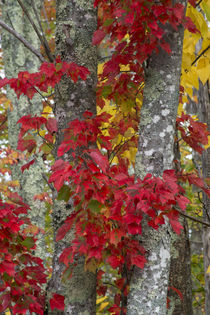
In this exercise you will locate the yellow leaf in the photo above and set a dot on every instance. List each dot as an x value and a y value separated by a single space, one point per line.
47 110
103 305
124 67
208 270
100 300
203 69
42 133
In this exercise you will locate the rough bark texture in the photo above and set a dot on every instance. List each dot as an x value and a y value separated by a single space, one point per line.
205 110
17 58
180 264
180 273
148 289
76 21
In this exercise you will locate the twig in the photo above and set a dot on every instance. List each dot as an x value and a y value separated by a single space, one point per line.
35 29
202 53
22 40
47 181
45 14
197 4
10 21
45 43
192 218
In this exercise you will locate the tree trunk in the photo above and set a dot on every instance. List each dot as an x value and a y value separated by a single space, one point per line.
148 288
180 264
205 104
76 21
180 274
17 58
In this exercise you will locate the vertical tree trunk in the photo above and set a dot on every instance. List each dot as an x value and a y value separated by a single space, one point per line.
148 288
76 21
180 273
180 264
205 110
17 58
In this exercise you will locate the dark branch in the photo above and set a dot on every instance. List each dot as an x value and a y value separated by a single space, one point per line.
35 29
45 43
22 40
192 218
201 54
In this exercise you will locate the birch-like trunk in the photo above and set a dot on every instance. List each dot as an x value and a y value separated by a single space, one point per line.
17 58
76 21
148 287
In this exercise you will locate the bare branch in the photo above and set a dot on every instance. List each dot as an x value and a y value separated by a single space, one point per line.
22 40
192 218
45 44
201 54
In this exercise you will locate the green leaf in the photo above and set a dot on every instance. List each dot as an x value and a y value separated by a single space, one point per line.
94 205
206 10
64 193
28 242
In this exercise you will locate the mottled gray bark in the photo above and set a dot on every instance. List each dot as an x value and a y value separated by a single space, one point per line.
76 21
148 288
180 263
17 58
205 115
180 273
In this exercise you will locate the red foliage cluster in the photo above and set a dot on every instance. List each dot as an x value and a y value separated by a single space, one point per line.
21 273
109 204
193 132
49 75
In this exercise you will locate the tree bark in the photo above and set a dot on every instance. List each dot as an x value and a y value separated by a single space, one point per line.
76 21
148 288
180 273
17 58
205 109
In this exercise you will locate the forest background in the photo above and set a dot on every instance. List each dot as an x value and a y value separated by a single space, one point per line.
39 169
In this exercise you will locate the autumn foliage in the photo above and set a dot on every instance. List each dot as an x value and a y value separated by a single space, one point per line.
109 203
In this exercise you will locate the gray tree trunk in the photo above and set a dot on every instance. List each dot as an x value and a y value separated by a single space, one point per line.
76 21
180 273
180 264
148 288
205 110
17 58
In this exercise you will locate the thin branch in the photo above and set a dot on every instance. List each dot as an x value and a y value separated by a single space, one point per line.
22 40
201 54
199 2
35 29
44 176
10 21
45 14
192 218
45 42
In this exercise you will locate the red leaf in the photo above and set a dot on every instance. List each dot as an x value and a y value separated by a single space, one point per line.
100 160
4 302
4 82
52 125
182 202
57 302
176 226
139 261
63 230
8 267
98 36
26 166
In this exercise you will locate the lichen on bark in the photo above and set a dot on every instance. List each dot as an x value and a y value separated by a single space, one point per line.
76 20
148 287
17 58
